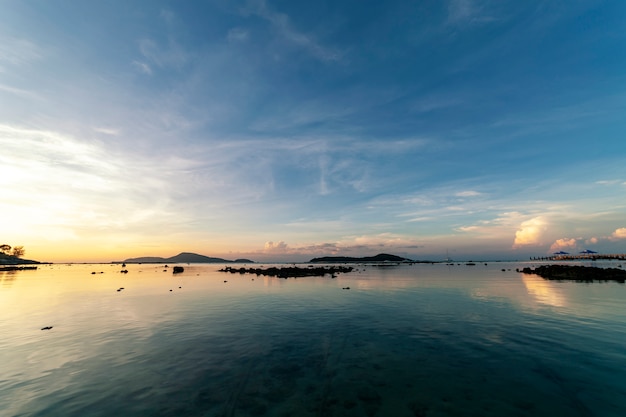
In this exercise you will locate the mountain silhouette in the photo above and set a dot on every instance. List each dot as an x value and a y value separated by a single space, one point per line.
184 257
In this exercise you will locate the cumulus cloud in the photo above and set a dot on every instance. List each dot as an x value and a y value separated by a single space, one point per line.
592 241
278 247
619 234
564 243
530 232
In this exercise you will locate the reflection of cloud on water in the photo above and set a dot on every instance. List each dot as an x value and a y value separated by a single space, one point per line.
543 291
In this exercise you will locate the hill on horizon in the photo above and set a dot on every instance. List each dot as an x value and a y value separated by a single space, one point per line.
184 257
381 257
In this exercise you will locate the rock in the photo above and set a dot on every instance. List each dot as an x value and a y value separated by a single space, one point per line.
178 269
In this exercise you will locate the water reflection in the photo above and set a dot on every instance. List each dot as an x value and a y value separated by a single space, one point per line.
405 341
543 291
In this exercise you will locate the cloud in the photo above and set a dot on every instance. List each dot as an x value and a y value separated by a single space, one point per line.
530 232
282 25
348 246
18 52
279 247
468 12
107 131
172 55
468 193
564 243
619 234
19 92
237 35
143 67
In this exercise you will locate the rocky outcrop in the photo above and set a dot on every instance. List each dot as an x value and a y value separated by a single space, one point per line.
577 273
291 271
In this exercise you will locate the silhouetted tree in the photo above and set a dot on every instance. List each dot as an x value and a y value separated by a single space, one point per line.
18 251
5 248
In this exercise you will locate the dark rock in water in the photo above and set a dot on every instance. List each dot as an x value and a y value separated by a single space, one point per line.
46 328
291 271
178 269
577 273
124 271
16 268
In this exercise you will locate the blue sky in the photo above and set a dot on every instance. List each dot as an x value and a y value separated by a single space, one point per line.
283 130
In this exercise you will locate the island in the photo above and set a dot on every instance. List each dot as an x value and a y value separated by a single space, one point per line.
14 263
381 257
577 273
183 257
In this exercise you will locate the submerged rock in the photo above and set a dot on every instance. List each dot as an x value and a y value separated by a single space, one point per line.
178 270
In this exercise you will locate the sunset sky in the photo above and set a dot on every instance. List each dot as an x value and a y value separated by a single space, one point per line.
284 130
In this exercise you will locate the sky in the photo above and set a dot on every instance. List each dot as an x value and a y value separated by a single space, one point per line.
286 130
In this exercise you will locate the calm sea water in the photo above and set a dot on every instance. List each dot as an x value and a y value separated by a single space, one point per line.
420 340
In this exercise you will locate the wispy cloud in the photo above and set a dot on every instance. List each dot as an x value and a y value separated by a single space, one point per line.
237 34
171 55
18 52
283 27
142 67
20 92
107 131
466 12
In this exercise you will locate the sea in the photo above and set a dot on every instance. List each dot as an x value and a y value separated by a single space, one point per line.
383 340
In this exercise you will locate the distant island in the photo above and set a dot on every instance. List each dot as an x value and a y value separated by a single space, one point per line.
381 257
14 260
184 257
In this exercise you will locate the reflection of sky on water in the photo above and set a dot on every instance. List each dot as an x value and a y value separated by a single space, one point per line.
420 334
543 290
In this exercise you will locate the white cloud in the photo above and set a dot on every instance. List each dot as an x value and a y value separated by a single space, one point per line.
107 131
468 193
564 243
278 247
530 232
143 67
619 234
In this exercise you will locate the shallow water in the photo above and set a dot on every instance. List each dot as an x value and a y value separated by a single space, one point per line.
412 340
